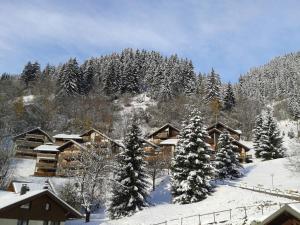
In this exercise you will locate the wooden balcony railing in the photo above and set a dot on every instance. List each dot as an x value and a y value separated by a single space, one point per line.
44 174
44 165
26 143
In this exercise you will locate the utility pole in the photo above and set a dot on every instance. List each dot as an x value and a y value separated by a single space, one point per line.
272 175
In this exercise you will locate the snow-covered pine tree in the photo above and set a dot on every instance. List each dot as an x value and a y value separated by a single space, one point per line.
229 99
129 192
270 145
88 77
256 133
70 79
213 87
226 161
191 169
30 72
294 105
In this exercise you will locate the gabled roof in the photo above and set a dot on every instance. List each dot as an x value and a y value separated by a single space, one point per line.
292 209
9 201
225 126
162 128
149 143
34 129
70 143
102 134
235 142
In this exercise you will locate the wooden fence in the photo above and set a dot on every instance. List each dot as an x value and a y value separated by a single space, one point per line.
228 215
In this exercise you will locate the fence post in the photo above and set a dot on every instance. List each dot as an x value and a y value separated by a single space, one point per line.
230 214
199 220
214 217
245 211
262 210
181 220
166 223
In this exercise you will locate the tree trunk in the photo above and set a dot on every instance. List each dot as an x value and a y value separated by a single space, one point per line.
87 215
153 180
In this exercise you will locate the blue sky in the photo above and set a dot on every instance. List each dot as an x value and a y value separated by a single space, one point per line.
230 35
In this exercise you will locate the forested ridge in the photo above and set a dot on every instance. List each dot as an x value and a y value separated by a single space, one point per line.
72 96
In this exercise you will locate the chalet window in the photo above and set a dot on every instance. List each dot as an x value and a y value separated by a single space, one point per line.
22 222
54 223
45 222
25 206
47 206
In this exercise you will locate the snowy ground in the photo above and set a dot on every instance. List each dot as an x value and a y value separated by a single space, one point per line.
225 197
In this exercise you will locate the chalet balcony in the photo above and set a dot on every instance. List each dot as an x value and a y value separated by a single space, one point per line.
44 174
69 155
47 156
163 135
69 164
40 138
25 153
46 165
25 143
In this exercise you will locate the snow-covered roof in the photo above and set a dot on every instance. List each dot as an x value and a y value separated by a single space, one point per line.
32 186
47 148
68 136
32 130
239 131
293 209
169 142
117 142
215 125
71 142
167 125
9 199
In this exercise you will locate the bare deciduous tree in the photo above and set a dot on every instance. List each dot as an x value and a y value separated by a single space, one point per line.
90 176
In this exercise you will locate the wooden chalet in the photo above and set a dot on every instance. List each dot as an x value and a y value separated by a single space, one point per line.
216 130
151 150
165 132
60 139
46 160
27 141
289 214
34 207
236 134
166 138
68 157
101 140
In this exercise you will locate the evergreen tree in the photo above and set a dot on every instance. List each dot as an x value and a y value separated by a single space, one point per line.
88 77
130 191
30 72
213 87
229 99
257 131
191 168
226 161
270 145
70 79
294 106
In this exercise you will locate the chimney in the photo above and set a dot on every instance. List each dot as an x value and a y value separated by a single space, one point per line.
24 189
46 185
